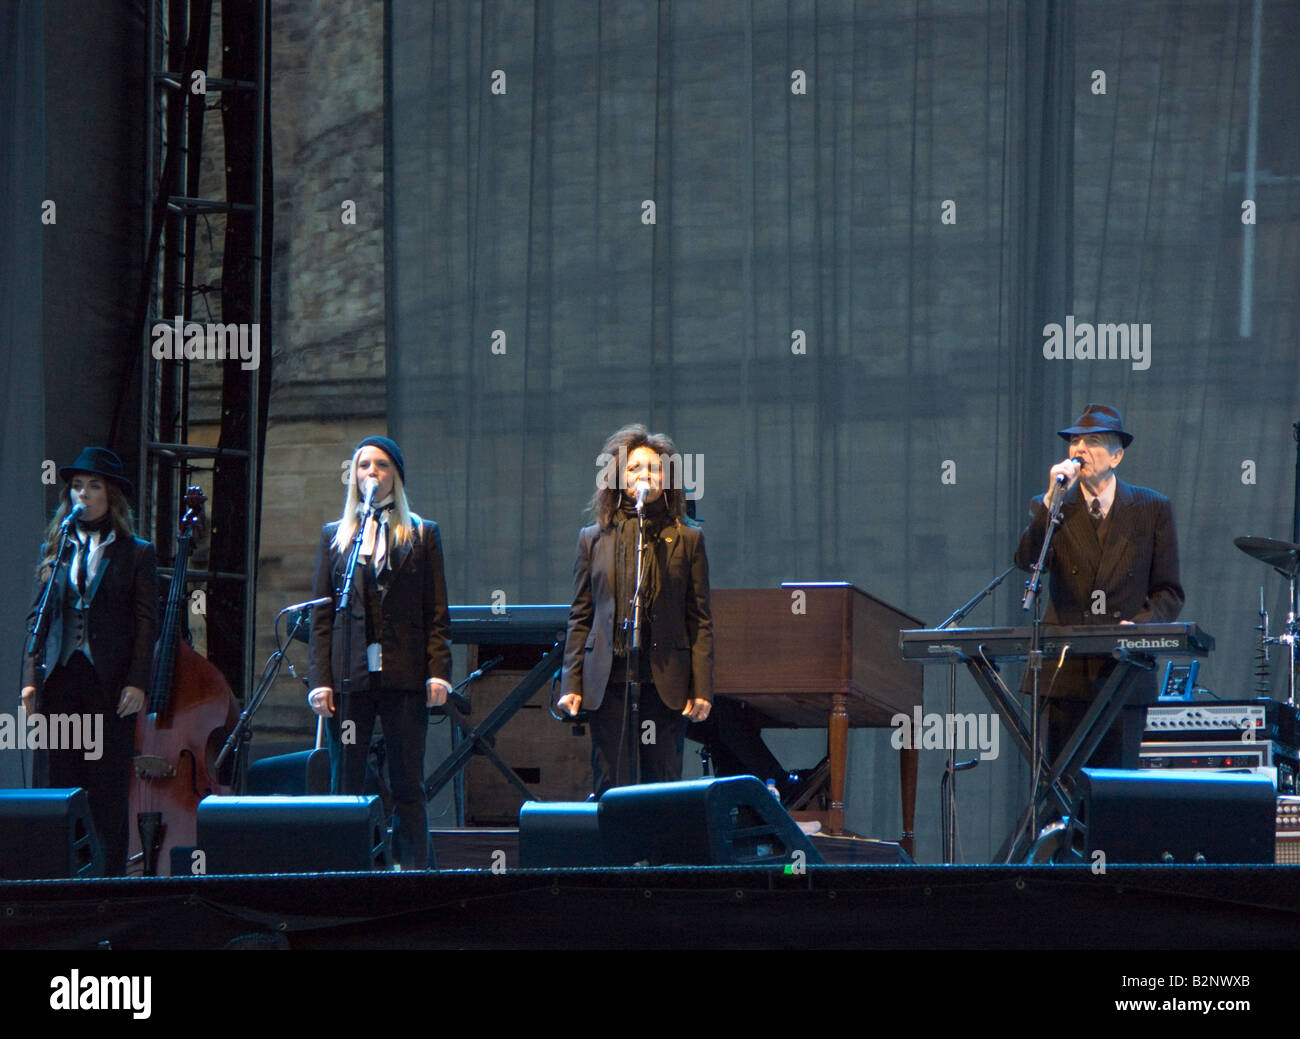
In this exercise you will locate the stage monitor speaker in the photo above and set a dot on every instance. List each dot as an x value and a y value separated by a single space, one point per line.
727 821
1175 817
560 835
297 774
293 835
48 833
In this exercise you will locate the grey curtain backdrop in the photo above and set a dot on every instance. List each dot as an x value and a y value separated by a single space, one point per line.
22 429
818 243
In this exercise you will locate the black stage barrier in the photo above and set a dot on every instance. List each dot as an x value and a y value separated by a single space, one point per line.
709 907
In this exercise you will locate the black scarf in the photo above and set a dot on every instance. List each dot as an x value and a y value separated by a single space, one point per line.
374 583
100 526
85 531
625 531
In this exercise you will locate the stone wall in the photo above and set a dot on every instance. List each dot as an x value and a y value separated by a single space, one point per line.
327 320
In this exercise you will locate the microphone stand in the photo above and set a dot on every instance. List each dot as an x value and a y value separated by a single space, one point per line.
460 701
345 599
242 733
1293 622
633 693
949 784
40 628
1032 601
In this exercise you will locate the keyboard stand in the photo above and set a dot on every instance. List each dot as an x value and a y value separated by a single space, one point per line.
1055 791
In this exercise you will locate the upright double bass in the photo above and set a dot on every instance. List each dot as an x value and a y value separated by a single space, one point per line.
178 736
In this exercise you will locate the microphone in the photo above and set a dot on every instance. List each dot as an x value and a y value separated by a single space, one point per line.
642 492
369 489
1062 478
73 516
308 604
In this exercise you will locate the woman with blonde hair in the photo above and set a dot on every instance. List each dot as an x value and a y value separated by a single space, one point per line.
390 650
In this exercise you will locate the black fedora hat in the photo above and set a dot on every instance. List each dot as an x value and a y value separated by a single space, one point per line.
101 462
1098 418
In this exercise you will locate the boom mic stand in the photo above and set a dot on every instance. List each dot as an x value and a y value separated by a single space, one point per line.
1032 601
242 733
40 628
949 794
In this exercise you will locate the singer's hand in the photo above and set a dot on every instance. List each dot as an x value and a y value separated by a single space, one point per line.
697 710
131 702
1068 468
1063 474
436 692
322 701
29 699
570 704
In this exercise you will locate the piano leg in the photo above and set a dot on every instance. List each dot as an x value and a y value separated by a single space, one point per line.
838 738
908 760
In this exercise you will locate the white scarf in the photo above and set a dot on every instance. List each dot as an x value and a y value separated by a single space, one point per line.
375 541
90 555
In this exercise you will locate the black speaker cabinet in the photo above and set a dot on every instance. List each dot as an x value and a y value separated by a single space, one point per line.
293 775
293 834
48 833
560 835
728 821
1175 817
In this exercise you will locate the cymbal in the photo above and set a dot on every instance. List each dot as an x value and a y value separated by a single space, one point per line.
1281 555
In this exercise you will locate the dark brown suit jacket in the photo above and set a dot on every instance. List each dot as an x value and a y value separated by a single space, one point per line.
681 626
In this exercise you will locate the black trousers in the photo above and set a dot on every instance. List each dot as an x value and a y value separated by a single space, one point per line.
404 714
104 771
659 739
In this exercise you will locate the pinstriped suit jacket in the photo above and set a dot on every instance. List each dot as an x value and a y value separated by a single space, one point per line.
1134 567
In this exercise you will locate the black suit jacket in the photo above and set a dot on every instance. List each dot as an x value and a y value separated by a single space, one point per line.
122 625
416 625
681 626
1135 570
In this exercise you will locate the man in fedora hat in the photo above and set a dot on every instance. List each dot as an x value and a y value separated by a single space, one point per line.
1114 560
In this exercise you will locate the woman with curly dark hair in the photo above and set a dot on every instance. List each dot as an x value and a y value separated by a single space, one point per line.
639 498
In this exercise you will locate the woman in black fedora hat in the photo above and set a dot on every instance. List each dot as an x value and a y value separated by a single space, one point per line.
99 646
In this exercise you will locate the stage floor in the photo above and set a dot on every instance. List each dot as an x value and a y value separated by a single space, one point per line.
754 907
